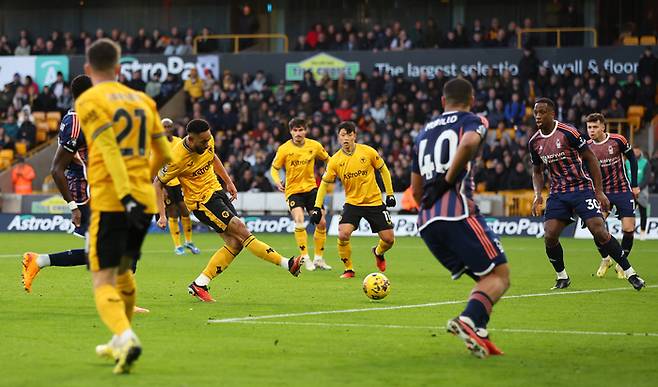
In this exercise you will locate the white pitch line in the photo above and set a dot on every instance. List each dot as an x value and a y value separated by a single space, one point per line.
430 304
392 326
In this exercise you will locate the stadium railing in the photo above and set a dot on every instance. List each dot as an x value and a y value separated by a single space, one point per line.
236 39
558 31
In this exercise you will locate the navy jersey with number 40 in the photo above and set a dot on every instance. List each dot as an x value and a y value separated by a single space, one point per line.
434 151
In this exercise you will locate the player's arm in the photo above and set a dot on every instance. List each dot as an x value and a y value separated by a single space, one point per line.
379 164
417 186
632 160
537 180
218 166
167 173
57 170
277 164
328 178
594 169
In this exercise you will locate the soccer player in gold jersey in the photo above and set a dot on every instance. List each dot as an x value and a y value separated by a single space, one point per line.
121 127
195 163
175 205
297 156
355 164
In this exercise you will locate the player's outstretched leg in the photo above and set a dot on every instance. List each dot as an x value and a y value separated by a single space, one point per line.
386 241
217 264
34 262
612 247
471 324
301 238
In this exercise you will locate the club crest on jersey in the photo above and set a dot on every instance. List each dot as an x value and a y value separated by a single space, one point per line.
541 148
558 144
610 150
363 160
225 214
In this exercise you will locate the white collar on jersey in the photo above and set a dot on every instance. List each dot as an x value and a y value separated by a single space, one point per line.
450 112
607 136
551 133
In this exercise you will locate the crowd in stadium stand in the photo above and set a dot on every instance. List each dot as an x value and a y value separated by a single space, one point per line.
249 115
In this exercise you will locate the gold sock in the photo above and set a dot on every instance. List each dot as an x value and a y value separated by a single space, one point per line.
219 262
345 254
262 250
319 239
187 228
127 291
111 308
174 231
382 247
301 239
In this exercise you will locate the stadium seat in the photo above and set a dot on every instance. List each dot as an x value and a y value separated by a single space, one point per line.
631 41
648 40
53 119
42 135
6 157
21 148
39 117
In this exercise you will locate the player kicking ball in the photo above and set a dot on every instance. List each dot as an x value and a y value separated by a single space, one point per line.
449 221
195 163
562 150
610 149
355 164
297 156
175 206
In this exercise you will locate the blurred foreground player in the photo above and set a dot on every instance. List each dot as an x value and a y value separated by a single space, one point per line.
121 126
449 222
562 150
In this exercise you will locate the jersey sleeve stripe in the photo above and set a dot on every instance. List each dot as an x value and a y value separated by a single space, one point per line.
570 129
100 130
75 126
619 137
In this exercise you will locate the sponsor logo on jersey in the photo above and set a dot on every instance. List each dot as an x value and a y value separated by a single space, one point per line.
349 175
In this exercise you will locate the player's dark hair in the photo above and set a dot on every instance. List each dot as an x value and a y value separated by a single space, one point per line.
197 126
297 122
79 85
549 102
103 54
349 126
595 117
458 91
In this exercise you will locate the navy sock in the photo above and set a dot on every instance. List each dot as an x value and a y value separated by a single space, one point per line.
627 242
478 308
556 257
76 257
600 248
613 248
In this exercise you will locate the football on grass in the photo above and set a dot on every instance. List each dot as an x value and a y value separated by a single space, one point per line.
376 286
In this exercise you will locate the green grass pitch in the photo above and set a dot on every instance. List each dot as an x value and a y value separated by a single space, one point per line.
582 337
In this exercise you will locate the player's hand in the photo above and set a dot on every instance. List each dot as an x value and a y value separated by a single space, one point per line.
390 201
76 217
280 187
162 222
433 192
230 188
316 215
603 201
134 211
636 192
537 204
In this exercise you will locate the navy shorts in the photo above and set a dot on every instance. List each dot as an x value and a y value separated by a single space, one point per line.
624 203
464 245
84 221
562 206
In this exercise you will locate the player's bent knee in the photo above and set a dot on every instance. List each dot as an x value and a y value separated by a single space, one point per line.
236 228
323 224
104 277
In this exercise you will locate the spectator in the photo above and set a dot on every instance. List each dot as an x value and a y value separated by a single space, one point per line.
65 101
647 94
301 44
497 180
247 24
401 42
45 101
528 65
344 112
154 86
5 46
648 65
497 115
185 47
193 86
170 86
136 82
515 110
519 178
20 98
227 119
206 44
27 131
10 125
23 48
58 86
22 176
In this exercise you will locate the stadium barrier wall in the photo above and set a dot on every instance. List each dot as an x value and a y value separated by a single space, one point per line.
618 60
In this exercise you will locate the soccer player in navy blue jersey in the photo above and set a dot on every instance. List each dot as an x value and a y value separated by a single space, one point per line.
449 221
69 173
622 191
562 151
